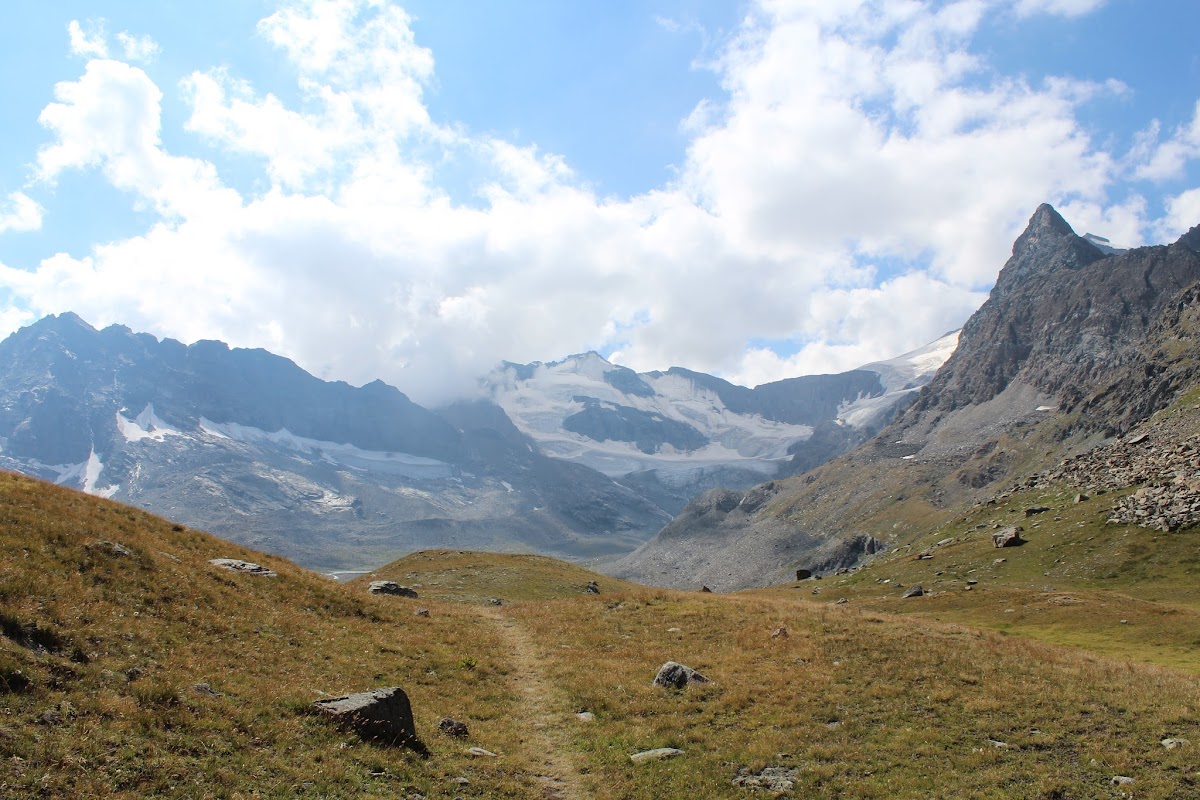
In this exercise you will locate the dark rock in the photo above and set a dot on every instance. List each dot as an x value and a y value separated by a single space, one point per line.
246 567
496 601
392 588
452 727
1008 537
706 589
380 715
592 588
1033 510
803 574
676 676
914 591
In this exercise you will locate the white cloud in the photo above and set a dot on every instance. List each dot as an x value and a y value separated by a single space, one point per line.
852 195
89 42
20 213
138 48
1161 161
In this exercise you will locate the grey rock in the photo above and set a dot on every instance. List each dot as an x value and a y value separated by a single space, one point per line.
421 612
676 676
1121 780
1008 537
658 754
246 567
777 780
1173 743
480 752
392 588
111 548
496 601
1035 510
380 715
914 591
592 588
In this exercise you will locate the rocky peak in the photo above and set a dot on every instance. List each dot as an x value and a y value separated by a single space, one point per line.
1191 239
1047 245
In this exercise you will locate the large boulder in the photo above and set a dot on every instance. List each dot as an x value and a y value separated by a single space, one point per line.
391 587
380 715
1009 537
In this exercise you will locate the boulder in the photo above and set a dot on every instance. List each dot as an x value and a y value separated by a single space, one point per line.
592 588
115 549
1035 510
803 574
237 565
1008 537
391 587
380 715
914 591
675 675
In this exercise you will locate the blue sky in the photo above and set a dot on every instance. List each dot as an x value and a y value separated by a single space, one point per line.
417 190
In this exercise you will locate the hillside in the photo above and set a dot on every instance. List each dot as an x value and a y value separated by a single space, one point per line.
144 670
1073 346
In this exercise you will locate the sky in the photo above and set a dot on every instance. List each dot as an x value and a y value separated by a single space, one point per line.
416 191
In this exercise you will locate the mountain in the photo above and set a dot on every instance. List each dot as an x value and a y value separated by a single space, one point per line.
673 435
246 444
1075 344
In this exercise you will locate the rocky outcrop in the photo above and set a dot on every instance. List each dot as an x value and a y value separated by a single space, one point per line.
673 675
392 588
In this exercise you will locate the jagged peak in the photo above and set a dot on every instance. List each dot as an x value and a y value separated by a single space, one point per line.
1191 239
67 320
1046 219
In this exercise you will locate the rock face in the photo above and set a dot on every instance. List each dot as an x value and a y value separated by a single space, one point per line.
674 675
1074 343
380 715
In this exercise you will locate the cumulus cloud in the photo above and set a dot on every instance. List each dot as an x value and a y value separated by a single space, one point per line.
89 42
20 213
851 195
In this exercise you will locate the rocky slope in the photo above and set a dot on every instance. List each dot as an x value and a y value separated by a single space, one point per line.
1073 345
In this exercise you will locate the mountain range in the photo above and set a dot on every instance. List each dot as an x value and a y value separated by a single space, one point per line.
577 458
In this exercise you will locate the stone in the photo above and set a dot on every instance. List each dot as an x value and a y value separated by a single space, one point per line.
380 715
452 727
776 780
779 633
677 676
1008 537
246 567
841 601
1172 744
392 588
585 716
592 588
1034 510
914 591
496 601
803 574
115 549
1121 780
421 612
658 754
480 752
1081 498
706 589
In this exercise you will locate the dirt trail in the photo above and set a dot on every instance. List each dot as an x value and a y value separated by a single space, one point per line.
549 731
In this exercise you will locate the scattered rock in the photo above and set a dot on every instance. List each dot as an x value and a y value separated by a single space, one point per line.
1008 537
944 542
421 612
247 567
1081 498
585 716
496 601
914 591
1034 510
1137 438
675 675
114 549
381 715
452 727
779 633
706 589
205 689
999 561
1172 744
480 752
777 780
841 601
1121 780
657 754
592 588
971 581
998 744
923 556
392 588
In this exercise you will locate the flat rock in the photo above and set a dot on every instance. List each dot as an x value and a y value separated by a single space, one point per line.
111 548
479 752
381 715
391 587
1172 744
657 754
247 567
676 676
777 780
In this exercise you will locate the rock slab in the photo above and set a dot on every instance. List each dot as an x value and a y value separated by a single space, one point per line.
247 567
391 587
658 754
380 715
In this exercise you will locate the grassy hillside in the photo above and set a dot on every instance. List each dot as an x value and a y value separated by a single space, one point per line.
157 674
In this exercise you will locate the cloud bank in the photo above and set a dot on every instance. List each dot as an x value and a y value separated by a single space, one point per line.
850 196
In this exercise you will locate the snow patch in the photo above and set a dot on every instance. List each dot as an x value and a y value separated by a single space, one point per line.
145 425
86 475
900 376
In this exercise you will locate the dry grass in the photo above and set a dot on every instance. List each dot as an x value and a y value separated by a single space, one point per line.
101 658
